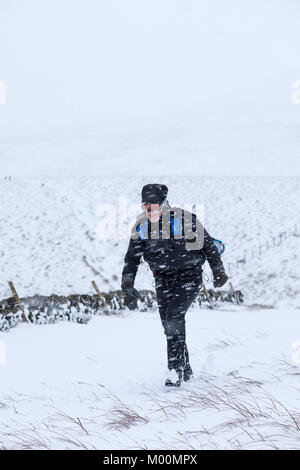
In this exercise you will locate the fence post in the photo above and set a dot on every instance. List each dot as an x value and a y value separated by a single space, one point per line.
207 295
18 300
105 308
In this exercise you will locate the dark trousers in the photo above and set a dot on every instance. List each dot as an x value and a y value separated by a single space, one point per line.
175 294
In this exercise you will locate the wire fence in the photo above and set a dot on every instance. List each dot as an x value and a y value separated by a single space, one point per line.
261 249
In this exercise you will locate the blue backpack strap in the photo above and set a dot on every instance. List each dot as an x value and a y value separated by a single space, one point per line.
176 228
143 230
220 246
176 225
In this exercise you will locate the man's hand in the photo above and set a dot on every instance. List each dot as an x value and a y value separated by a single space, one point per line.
220 277
127 282
131 294
131 298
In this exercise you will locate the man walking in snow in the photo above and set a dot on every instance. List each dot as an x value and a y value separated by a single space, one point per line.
175 245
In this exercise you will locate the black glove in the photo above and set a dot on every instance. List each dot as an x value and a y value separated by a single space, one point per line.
127 282
131 294
220 277
131 298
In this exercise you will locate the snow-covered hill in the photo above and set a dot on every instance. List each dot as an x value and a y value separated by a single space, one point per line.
49 232
227 145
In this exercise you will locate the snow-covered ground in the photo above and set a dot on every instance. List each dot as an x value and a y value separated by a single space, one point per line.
100 385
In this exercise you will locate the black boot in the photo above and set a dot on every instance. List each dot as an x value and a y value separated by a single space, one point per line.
174 378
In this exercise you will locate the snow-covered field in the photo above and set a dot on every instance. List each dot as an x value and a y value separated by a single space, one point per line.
100 385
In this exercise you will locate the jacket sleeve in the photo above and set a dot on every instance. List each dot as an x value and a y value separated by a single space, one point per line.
207 246
133 257
211 252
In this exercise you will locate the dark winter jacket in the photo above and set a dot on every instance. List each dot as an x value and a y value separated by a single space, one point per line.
180 244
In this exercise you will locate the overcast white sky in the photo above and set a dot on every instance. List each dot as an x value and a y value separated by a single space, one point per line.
74 63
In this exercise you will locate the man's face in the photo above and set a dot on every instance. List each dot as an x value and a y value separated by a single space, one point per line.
153 211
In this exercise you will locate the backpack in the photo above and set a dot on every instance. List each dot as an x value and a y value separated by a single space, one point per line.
176 230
